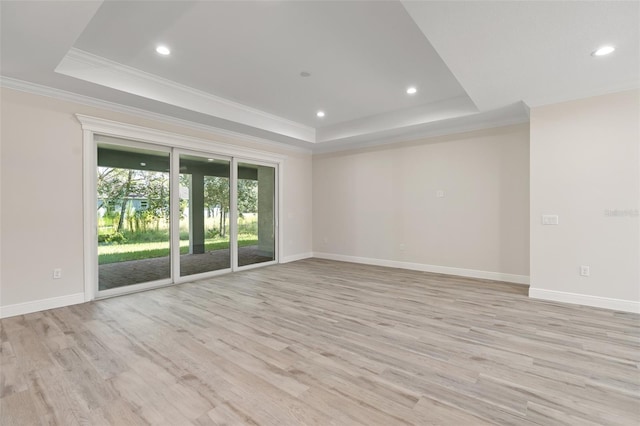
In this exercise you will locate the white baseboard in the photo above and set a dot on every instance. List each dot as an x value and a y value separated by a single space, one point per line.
586 300
471 273
40 305
295 257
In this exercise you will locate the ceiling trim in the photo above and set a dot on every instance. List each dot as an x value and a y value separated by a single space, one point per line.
171 139
453 126
37 89
102 71
380 124
516 114
551 100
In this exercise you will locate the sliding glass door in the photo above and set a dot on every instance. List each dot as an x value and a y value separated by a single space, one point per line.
204 214
167 215
256 218
133 215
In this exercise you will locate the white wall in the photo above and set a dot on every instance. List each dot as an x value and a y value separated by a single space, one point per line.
380 206
41 177
41 197
375 205
585 159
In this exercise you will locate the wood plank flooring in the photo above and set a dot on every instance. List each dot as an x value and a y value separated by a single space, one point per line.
318 342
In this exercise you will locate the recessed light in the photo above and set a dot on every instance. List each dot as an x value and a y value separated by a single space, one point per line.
320 114
411 90
604 50
163 50
143 164
209 159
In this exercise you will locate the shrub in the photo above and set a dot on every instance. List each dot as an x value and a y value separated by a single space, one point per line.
212 233
114 238
148 236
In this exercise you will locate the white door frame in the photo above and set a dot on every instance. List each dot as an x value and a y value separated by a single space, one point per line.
92 126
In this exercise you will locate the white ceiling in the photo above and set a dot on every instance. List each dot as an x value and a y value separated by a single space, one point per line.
534 51
236 65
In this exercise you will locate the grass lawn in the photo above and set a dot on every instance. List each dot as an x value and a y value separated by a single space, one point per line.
123 252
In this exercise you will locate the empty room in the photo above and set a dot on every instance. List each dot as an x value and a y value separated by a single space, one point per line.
319 213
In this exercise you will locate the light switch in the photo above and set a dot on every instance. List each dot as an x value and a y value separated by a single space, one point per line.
440 193
549 219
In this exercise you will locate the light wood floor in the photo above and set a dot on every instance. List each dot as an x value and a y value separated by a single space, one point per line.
318 342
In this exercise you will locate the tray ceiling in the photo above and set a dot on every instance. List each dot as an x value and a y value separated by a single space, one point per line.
237 65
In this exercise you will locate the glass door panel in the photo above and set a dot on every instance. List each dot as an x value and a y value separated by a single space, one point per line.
132 216
204 214
256 221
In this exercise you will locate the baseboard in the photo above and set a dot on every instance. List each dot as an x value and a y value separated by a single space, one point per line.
295 257
471 273
40 305
586 300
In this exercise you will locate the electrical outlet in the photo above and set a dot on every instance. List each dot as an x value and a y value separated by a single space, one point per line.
584 271
440 193
549 219
57 274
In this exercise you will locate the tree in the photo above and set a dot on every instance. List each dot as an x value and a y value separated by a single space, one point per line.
154 186
114 186
110 187
216 195
125 199
247 196
117 186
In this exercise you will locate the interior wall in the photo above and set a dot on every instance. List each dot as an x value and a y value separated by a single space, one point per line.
376 205
381 205
585 168
41 196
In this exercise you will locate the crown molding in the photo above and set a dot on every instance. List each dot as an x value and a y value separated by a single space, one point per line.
510 116
37 89
146 134
402 120
95 69
623 87
438 128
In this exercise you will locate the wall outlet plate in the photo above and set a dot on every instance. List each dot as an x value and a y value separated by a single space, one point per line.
584 271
